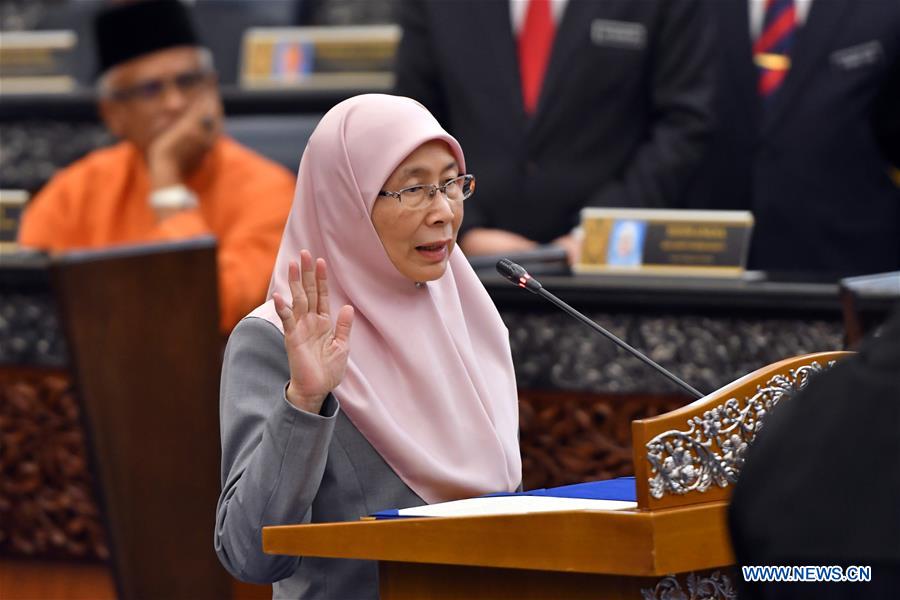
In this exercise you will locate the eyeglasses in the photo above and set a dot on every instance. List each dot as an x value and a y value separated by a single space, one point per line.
187 83
420 196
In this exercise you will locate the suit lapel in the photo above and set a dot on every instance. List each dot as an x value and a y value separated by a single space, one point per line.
565 44
811 42
500 43
734 21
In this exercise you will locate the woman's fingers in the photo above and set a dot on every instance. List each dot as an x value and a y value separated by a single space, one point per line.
308 282
322 283
308 279
344 324
298 297
284 312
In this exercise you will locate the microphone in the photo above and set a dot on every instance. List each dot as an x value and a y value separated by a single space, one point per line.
517 274
520 277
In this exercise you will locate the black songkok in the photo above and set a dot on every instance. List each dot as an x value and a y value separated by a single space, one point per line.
128 30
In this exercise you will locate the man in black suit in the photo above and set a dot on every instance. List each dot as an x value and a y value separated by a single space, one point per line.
821 483
621 118
807 160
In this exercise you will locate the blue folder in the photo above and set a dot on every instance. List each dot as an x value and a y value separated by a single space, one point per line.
609 489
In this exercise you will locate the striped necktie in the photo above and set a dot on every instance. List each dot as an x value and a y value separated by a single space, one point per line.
535 43
772 48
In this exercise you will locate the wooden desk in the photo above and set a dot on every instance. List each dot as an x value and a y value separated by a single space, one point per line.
572 554
678 528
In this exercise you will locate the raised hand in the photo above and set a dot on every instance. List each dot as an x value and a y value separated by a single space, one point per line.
317 350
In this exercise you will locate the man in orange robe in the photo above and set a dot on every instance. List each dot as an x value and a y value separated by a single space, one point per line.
174 175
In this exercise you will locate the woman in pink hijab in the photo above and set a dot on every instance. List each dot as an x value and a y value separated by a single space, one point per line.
378 375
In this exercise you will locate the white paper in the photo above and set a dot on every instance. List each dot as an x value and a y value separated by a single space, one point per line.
511 505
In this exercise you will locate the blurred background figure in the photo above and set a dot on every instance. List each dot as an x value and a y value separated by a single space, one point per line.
561 105
808 111
821 482
174 175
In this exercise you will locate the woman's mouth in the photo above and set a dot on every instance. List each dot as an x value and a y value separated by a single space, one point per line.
434 252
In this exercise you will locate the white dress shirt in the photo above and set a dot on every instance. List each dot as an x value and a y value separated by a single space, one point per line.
517 10
758 13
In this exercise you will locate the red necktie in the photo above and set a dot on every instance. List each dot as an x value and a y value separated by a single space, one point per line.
535 43
772 48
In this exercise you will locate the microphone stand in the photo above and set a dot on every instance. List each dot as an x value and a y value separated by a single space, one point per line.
621 343
519 276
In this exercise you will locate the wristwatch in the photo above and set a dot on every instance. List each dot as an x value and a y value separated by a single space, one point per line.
173 197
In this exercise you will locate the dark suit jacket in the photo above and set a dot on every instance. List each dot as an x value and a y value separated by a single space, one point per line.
809 166
821 482
622 118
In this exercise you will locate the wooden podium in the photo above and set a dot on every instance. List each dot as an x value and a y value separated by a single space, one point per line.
677 539
142 330
109 424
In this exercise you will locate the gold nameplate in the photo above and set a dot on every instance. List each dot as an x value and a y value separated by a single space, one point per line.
319 57
664 242
12 203
36 61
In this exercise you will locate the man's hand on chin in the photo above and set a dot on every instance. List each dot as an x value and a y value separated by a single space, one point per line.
179 149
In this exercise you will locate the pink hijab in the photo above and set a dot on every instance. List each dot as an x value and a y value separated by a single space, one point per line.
430 379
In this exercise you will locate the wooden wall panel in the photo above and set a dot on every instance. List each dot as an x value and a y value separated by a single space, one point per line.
570 437
47 503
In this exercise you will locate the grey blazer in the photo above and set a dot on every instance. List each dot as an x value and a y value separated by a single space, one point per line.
281 465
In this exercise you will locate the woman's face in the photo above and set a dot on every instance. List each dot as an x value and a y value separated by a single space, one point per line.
419 241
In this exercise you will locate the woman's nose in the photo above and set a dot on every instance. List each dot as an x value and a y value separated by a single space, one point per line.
441 208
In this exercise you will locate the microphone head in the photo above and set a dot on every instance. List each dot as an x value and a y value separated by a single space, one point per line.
511 270
517 275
